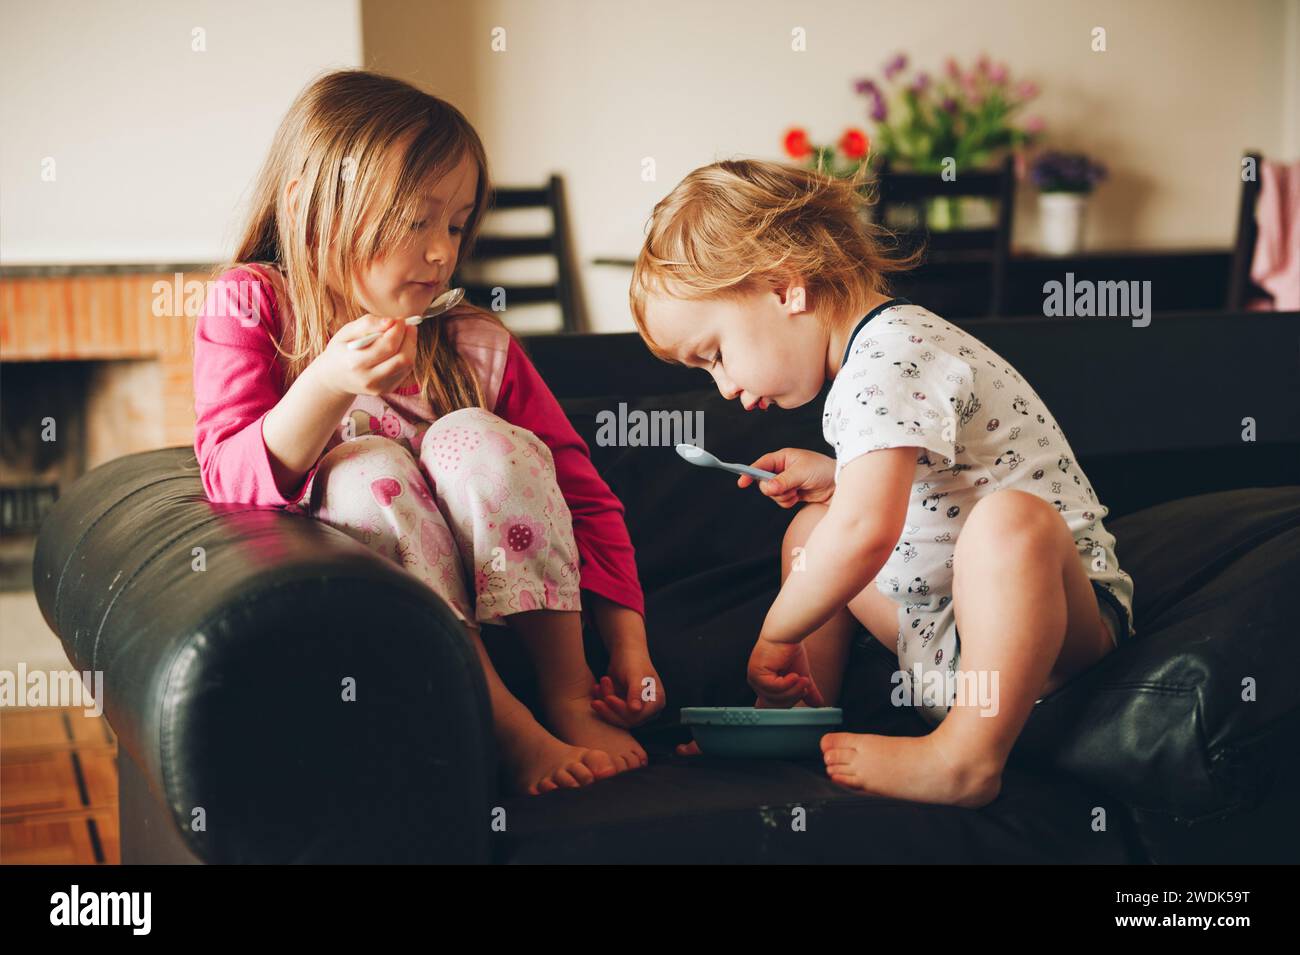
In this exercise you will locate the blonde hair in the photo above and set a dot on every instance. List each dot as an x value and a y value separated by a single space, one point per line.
745 225
337 139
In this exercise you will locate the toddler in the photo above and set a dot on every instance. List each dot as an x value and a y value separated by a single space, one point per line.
953 522
436 445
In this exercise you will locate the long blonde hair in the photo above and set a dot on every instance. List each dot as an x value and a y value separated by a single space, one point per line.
744 225
337 139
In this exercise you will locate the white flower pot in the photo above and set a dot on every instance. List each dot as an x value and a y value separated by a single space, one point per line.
1060 221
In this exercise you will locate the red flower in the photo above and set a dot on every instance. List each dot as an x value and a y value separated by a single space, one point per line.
855 144
796 143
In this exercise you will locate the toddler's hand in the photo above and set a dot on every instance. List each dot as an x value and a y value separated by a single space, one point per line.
779 674
800 476
374 370
617 698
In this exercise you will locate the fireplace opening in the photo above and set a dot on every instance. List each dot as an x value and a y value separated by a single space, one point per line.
58 420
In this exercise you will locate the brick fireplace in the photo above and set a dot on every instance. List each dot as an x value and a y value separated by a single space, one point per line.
91 368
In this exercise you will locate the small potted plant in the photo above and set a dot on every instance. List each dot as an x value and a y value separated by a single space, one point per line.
1064 180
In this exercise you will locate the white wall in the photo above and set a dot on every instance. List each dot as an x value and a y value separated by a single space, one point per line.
588 89
154 144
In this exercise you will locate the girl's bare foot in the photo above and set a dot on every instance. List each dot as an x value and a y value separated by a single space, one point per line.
540 763
553 638
536 760
572 720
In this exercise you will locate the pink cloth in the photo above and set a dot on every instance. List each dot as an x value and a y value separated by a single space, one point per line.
1276 265
238 379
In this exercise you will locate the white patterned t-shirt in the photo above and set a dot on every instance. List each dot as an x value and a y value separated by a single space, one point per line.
911 378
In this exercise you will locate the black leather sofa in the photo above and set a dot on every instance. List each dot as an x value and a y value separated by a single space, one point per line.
226 633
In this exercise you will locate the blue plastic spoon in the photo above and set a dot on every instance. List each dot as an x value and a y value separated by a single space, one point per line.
704 459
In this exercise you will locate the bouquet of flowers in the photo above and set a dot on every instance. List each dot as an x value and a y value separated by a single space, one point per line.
968 115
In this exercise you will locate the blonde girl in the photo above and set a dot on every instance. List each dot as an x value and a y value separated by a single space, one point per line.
437 445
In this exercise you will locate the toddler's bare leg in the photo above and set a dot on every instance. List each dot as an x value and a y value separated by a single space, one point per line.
1028 616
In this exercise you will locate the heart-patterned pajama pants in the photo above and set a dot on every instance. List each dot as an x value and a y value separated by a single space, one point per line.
477 515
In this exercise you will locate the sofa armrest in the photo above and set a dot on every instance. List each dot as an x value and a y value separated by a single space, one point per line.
289 694
1194 721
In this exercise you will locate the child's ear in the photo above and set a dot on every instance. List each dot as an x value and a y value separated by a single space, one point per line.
793 295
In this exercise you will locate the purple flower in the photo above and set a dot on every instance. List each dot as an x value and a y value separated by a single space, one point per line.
895 66
949 105
869 89
1066 172
921 83
878 111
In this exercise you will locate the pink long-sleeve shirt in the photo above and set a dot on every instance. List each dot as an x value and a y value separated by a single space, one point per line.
238 378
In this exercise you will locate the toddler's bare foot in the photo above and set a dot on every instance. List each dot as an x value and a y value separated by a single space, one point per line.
540 763
573 720
904 767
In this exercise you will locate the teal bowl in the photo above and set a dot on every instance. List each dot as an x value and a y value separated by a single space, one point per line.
745 732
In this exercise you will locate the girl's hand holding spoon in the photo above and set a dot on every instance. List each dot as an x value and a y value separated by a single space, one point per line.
443 303
374 355
375 370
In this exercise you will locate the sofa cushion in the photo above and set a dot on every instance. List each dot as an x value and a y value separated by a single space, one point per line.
682 809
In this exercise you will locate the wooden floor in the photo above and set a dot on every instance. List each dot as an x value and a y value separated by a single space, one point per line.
58 787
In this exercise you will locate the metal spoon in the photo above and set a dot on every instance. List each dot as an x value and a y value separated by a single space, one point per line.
443 303
704 459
